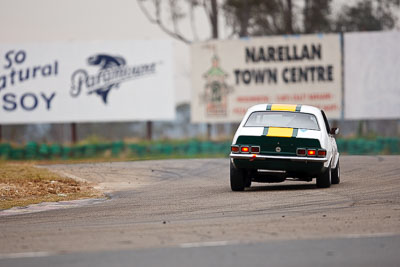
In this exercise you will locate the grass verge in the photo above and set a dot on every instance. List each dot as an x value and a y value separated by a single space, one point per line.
22 184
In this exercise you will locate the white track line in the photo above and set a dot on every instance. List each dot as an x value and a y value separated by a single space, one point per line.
208 244
339 236
45 206
20 255
368 235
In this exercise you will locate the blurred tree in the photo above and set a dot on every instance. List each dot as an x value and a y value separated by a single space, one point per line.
316 16
367 15
266 17
153 9
260 17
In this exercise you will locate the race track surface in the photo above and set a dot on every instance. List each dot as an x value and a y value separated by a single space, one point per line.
181 204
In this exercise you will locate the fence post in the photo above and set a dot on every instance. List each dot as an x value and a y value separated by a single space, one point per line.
208 131
149 130
343 76
74 137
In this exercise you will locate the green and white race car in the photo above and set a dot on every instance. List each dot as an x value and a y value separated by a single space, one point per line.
275 142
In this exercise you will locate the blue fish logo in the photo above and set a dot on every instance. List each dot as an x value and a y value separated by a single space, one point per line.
112 71
105 62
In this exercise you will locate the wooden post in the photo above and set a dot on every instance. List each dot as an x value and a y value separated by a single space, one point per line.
149 130
209 131
342 73
74 137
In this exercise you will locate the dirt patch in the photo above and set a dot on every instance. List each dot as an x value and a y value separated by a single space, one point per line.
23 184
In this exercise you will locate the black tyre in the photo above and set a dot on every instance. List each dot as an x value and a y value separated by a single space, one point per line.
237 179
335 179
324 180
247 181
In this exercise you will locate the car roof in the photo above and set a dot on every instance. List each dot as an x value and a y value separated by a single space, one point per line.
285 107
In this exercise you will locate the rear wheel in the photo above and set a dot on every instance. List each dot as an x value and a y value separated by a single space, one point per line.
247 181
324 180
336 174
238 182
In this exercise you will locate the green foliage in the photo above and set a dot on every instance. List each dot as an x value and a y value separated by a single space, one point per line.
173 149
93 139
364 146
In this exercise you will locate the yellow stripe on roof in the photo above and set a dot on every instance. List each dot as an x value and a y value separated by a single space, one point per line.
280 132
279 107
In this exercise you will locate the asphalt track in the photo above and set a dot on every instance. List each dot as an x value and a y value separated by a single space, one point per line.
183 213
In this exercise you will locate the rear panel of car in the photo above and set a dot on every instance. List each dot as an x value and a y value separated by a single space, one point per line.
287 145
291 167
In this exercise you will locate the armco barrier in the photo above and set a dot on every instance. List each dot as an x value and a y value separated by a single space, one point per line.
190 148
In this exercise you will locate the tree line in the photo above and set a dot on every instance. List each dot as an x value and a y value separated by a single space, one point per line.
244 18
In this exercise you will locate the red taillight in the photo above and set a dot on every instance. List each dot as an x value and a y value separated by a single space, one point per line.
235 149
311 152
255 149
301 152
244 149
321 153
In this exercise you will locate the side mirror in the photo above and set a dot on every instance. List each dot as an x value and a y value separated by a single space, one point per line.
334 131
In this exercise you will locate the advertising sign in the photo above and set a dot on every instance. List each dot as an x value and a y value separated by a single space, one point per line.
372 76
230 76
86 82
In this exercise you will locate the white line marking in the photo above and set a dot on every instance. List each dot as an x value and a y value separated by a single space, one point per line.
368 235
339 236
25 255
45 206
208 244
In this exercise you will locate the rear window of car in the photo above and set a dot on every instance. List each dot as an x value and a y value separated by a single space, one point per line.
282 119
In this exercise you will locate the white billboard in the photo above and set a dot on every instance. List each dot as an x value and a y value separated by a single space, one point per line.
230 76
372 75
86 82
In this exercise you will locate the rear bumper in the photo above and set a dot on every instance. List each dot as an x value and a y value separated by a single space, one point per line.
291 165
264 157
